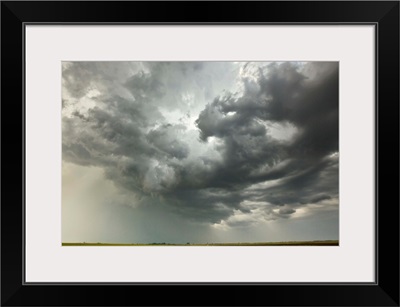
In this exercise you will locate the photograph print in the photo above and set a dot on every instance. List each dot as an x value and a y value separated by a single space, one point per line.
200 153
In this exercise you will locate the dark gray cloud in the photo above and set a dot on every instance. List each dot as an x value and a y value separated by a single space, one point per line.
230 163
285 95
165 139
287 211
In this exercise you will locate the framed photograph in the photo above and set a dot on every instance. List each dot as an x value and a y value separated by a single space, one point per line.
236 153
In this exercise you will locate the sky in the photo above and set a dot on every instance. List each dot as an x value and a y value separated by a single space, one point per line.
200 152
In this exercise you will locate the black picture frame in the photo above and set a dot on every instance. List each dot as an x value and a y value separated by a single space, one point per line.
383 14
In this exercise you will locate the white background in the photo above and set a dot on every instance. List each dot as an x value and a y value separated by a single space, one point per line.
48 261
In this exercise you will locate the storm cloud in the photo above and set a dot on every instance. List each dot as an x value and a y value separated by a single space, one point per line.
219 143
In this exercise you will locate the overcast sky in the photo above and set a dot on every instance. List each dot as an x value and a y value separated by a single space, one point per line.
199 151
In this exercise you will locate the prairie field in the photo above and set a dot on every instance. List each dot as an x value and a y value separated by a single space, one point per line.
285 243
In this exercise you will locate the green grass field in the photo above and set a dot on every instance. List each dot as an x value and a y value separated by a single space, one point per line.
288 243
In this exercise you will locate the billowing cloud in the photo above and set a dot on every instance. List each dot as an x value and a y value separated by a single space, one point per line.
221 143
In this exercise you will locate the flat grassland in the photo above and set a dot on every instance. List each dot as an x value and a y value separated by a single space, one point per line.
287 243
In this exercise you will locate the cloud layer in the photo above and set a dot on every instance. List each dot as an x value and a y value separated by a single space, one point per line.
227 144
